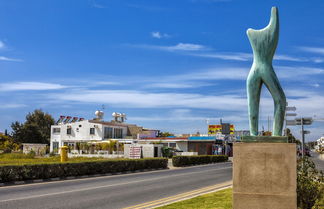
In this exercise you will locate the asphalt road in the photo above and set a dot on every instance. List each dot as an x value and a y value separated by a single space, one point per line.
116 191
318 160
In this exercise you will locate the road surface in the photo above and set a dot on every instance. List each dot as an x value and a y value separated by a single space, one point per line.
116 191
318 160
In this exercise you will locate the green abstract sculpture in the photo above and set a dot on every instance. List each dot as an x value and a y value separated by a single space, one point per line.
264 43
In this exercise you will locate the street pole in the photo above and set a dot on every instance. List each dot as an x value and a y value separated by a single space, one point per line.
303 136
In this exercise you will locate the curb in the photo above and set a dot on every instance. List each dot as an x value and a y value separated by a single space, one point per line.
75 177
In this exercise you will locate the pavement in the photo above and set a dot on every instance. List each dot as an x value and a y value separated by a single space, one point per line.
136 190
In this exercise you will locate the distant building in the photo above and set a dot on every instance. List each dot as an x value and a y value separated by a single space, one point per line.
68 131
202 145
38 149
319 143
239 133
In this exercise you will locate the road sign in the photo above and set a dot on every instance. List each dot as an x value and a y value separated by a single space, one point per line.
306 121
306 132
290 108
291 123
291 114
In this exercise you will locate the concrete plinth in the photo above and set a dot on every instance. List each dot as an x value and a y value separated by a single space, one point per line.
264 176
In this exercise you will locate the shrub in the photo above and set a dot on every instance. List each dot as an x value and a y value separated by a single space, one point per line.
179 161
167 152
13 156
53 170
310 184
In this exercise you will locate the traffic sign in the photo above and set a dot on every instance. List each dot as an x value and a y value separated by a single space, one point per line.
290 108
305 132
306 121
291 114
291 123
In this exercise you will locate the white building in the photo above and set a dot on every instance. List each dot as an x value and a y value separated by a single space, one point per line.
320 143
68 133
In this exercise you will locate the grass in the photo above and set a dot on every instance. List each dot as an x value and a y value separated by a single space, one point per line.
23 159
216 200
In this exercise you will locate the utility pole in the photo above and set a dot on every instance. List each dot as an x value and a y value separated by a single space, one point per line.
303 137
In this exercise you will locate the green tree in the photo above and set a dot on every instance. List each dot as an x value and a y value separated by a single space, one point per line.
7 144
36 129
291 137
165 134
310 183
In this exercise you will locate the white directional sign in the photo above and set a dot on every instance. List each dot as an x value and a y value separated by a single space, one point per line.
291 114
290 108
291 123
306 132
306 121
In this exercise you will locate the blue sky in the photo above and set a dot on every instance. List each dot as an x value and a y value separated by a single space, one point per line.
167 64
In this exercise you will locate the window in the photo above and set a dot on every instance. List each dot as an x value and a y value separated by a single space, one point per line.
56 130
118 133
173 145
69 131
108 133
92 131
55 147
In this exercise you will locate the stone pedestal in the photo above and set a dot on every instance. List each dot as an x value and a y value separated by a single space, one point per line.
264 176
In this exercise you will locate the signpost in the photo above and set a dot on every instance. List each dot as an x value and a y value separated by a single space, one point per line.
291 109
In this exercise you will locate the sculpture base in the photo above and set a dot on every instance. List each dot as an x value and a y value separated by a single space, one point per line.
265 139
264 176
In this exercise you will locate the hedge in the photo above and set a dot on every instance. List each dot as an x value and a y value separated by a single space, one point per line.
179 161
61 170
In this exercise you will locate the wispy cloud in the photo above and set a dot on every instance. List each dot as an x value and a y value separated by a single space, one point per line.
178 47
317 50
159 35
143 99
25 86
2 45
97 5
241 56
297 72
3 58
11 106
226 56
290 58
209 1
150 8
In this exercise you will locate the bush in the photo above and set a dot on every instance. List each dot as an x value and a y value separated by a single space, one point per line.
53 170
310 184
179 161
15 156
167 152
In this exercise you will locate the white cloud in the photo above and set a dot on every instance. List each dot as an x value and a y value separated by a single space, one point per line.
2 45
226 56
241 56
316 50
185 47
297 73
142 99
95 4
10 59
290 58
10 106
21 86
178 47
159 35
